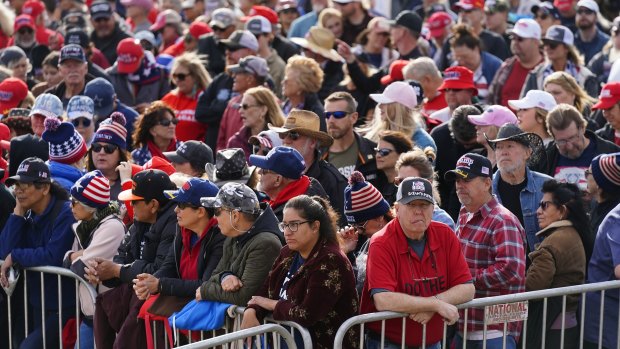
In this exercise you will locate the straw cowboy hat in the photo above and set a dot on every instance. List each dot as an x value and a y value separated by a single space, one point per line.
320 41
305 123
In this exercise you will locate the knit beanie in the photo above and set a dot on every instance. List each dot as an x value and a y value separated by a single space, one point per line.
92 190
606 172
66 145
362 201
112 130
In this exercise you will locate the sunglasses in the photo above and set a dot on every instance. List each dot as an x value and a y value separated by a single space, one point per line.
84 121
258 150
552 45
545 204
292 135
102 19
544 16
167 122
218 29
246 106
336 114
359 226
184 205
180 76
383 151
107 148
74 202
289 11
25 31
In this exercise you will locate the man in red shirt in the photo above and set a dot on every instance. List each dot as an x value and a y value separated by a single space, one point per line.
509 79
36 10
415 266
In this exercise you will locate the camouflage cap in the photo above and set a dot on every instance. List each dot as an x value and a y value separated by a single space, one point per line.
235 196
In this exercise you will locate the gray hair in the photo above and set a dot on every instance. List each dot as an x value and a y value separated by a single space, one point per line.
420 67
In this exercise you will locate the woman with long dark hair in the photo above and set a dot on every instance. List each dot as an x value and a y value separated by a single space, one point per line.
155 133
559 261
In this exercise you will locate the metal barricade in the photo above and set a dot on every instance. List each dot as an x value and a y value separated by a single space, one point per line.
235 337
60 273
544 295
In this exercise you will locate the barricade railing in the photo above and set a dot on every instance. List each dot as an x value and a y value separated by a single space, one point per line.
362 320
234 337
60 273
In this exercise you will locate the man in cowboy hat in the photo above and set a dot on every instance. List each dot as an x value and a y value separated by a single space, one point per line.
318 45
301 131
230 166
516 186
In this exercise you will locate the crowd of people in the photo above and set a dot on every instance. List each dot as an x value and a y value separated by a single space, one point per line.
310 160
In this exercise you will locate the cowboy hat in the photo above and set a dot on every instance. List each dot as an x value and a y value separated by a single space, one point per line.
320 41
305 123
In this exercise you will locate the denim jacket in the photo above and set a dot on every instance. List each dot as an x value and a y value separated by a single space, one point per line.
530 199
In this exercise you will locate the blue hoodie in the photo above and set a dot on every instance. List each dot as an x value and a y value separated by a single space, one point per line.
65 175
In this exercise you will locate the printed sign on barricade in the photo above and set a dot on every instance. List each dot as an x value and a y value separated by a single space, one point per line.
507 312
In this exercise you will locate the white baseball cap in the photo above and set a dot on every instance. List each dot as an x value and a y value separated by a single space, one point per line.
560 33
589 4
534 98
527 28
399 92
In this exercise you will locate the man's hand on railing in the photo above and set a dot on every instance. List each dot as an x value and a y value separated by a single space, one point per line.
422 318
448 311
4 271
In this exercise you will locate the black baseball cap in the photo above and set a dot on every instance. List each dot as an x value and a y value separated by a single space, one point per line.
31 170
77 36
471 166
414 188
409 20
191 151
148 185
100 9
72 51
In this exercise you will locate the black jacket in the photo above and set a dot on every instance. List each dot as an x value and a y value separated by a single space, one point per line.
366 162
602 147
315 188
170 282
107 45
211 106
146 246
607 133
284 47
209 45
333 75
332 181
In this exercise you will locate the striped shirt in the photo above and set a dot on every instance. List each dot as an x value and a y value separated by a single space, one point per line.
492 240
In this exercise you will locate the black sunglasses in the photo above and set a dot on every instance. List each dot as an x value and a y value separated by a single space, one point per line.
25 31
383 151
184 205
84 121
292 135
180 76
258 150
108 148
545 204
167 122
289 10
552 44
336 114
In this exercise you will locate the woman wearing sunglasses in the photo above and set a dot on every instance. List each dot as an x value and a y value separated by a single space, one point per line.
391 144
108 150
561 55
559 261
190 78
259 107
155 133
308 268
81 112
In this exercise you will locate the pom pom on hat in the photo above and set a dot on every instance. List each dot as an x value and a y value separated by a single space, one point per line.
66 145
112 130
362 201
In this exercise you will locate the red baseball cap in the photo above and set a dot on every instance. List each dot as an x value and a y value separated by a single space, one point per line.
610 95
264 11
396 72
198 28
23 21
470 4
437 22
12 93
33 8
155 163
563 5
459 78
130 55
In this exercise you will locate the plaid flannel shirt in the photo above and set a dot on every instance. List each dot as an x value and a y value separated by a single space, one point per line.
493 245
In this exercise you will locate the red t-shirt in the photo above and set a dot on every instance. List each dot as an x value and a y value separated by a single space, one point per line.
394 266
188 128
514 84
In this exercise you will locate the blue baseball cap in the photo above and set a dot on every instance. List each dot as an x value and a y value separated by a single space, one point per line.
192 191
47 105
101 91
72 51
284 161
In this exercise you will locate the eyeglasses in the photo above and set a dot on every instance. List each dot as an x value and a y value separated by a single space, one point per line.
102 19
292 226
336 114
383 151
184 205
258 150
585 11
246 106
552 44
180 76
25 31
107 148
571 140
74 202
359 226
587 172
292 135
218 29
218 211
545 204
167 122
84 121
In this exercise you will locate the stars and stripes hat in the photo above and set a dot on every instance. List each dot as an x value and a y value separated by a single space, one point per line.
606 172
113 131
92 190
362 201
66 145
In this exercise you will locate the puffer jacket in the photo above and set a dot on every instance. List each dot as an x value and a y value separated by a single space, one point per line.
65 175
248 257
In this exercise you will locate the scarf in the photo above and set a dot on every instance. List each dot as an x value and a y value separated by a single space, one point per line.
296 188
154 149
85 229
148 72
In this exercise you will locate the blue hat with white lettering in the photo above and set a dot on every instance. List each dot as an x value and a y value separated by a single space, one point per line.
80 107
